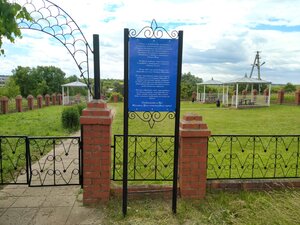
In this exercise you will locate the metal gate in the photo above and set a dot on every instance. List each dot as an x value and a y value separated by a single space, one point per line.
40 161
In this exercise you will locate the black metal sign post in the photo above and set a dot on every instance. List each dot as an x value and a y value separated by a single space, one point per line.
177 120
96 66
125 127
152 76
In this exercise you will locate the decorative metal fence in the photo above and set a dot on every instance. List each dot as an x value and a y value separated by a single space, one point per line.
13 160
150 158
40 161
253 156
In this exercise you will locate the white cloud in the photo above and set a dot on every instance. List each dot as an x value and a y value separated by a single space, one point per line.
220 38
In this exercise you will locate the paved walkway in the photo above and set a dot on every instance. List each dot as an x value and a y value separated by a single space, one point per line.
22 205
58 205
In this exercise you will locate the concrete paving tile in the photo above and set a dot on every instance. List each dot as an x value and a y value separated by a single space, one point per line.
14 186
29 201
18 216
2 211
58 200
37 191
6 200
15 192
51 215
85 216
66 190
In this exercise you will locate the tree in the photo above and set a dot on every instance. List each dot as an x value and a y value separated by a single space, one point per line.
10 89
21 76
9 14
41 80
188 85
289 87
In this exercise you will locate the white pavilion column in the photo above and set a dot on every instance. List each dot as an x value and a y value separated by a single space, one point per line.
223 97
227 94
269 99
68 96
63 95
197 97
236 95
204 94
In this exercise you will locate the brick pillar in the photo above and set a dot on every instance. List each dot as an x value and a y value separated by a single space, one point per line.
19 99
297 97
4 104
53 99
193 156
194 95
39 101
59 99
96 123
30 102
266 95
280 99
47 100
254 93
116 98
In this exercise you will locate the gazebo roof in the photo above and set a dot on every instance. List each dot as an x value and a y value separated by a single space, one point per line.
247 80
74 84
211 82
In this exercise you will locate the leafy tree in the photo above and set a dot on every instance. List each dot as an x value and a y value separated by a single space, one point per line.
9 14
11 89
188 85
118 87
21 76
41 80
289 87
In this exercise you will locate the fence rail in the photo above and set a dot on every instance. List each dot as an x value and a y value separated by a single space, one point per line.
40 161
253 156
150 157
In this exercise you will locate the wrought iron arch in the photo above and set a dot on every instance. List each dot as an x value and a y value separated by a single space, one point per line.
49 18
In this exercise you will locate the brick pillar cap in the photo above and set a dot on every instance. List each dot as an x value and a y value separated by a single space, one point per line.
4 98
29 96
191 117
47 95
19 97
59 94
39 96
53 94
97 103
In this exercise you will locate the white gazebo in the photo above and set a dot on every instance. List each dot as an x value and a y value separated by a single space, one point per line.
67 99
209 97
244 100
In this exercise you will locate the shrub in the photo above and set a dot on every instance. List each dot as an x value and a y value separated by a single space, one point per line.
70 118
81 107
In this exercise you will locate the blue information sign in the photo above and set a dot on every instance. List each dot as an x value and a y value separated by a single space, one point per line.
152 74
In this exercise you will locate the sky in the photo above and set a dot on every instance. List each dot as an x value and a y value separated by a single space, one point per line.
220 37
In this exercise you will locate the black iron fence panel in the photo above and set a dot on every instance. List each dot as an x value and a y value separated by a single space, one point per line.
253 156
55 161
13 160
40 161
150 158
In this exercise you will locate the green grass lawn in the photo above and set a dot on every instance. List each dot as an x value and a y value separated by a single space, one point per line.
276 119
39 122
236 208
